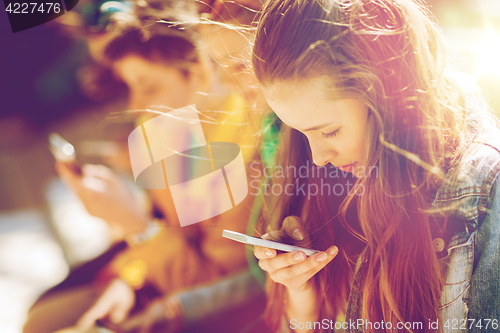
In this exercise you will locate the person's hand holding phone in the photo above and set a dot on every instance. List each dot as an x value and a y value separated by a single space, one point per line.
106 195
114 303
164 314
295 270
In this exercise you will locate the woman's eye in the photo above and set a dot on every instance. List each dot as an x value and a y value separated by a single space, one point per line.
331 134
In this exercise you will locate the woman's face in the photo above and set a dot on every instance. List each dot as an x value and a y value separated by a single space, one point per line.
155 83
337 129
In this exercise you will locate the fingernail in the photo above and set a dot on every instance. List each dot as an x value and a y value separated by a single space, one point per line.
269 253
333 251
321 257
298 256
297 234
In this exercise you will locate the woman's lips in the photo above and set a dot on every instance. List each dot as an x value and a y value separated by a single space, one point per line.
349 167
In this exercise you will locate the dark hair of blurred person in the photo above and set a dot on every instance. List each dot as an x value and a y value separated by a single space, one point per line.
156 52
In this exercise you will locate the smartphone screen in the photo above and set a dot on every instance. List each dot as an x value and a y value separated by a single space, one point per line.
64 152
242 238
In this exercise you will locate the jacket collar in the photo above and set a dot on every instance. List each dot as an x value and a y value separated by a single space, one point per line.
467 186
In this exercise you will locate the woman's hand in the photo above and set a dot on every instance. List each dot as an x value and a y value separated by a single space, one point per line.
115 303
165 312
144 321
106 195
293 270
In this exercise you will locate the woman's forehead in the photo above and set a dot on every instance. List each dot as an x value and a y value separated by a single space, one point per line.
309 104
315 87
299 104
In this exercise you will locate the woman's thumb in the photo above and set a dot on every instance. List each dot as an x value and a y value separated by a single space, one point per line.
66 175
118 313
292 225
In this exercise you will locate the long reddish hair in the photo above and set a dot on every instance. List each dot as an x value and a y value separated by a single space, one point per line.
388 54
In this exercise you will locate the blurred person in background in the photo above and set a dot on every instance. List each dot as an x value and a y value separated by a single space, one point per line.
162 64
367 83
227 30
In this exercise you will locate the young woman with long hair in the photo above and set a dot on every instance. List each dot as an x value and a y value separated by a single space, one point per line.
156 49
363 85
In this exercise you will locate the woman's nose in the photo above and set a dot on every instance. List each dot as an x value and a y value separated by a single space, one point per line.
321 153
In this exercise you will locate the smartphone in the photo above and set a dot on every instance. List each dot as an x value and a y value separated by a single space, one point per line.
242 238
64 152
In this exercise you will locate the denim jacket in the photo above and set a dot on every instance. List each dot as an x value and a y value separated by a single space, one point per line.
471 260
